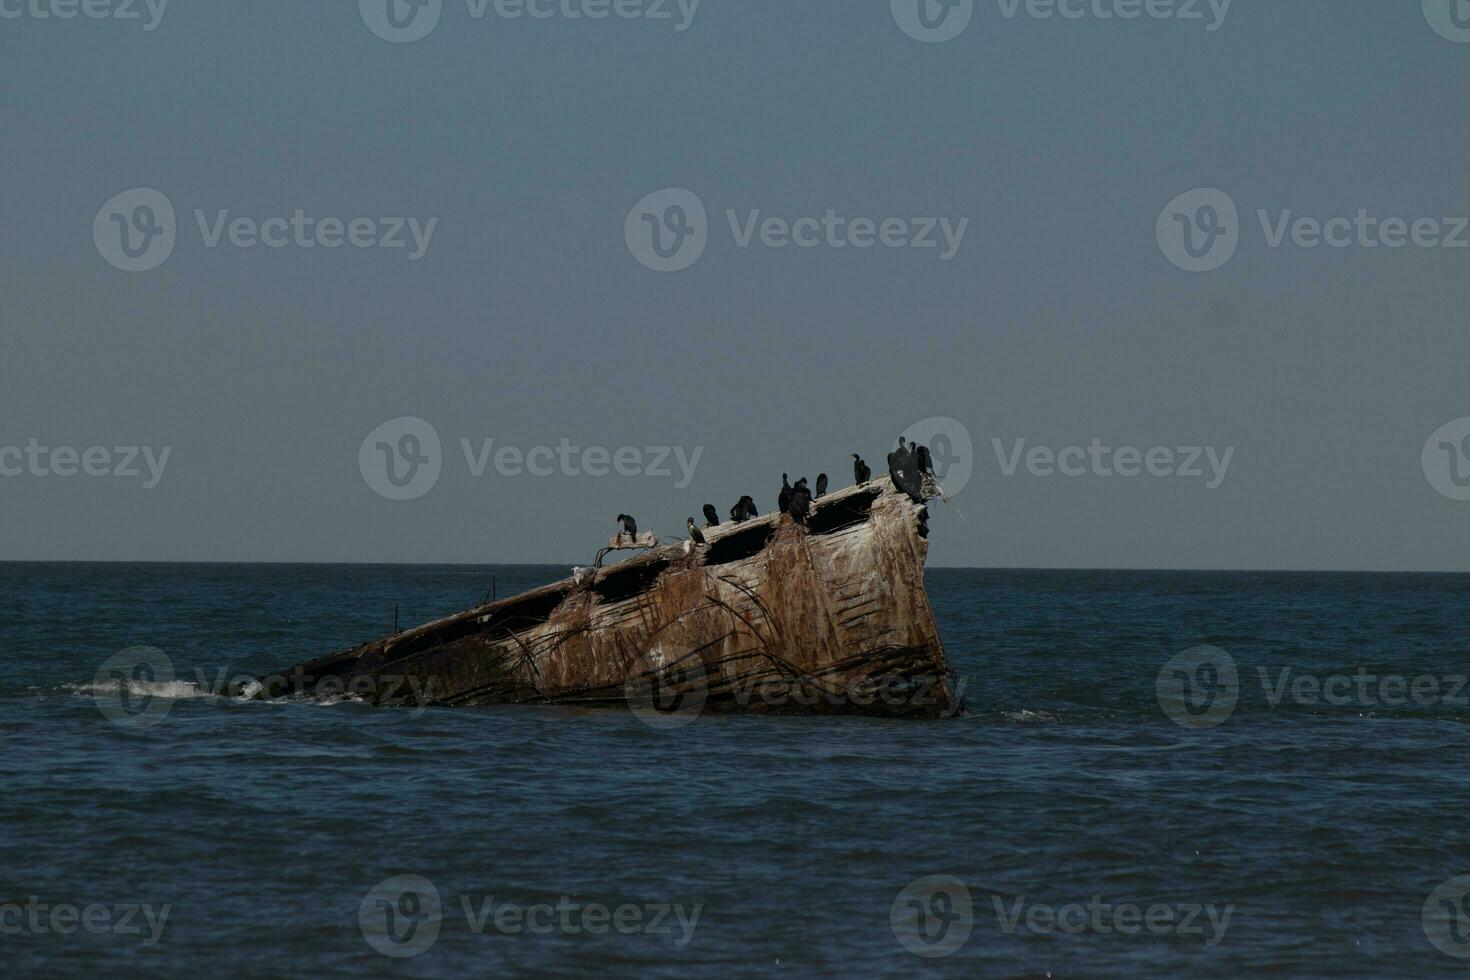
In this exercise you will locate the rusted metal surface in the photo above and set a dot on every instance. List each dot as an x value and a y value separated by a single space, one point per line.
768 616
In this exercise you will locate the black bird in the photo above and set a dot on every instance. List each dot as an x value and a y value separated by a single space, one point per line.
860 472
630 526
821 484
923 460
905 455
784 497
711 516
694 534
800 503
743 510
901 479
910 462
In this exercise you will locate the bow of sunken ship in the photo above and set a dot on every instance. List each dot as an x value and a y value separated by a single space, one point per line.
767 616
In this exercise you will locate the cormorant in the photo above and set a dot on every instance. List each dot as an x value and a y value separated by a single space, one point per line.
800 503
905 455
860 472
784 497
900 475
630 526
743 510
922 459
711 516
694 534
821 485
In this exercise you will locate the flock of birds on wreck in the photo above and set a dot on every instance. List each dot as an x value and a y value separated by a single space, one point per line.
908 466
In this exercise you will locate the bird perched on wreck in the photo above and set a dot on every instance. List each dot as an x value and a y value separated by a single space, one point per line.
694 533
860 472
711 516
899 465
743 510
922 460
630 526
784 497
799 504
821 485
905 454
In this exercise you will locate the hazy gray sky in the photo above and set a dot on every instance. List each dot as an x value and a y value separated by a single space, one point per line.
1055 315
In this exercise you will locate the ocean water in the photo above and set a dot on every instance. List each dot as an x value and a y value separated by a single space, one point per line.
1112 803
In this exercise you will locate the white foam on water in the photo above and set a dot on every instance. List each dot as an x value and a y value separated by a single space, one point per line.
179 690
1027 715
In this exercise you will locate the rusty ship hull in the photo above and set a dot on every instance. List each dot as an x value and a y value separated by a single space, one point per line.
769 616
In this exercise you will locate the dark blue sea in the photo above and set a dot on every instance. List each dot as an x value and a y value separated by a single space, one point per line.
1157 774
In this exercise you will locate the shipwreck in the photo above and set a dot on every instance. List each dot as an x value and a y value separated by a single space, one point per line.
768 616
